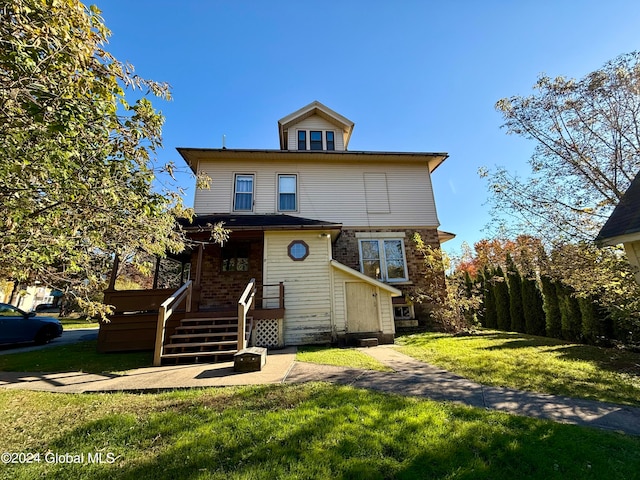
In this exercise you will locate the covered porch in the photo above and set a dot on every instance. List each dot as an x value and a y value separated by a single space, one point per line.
218 306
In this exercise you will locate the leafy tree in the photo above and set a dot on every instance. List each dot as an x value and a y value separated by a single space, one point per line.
532 305
501 295
451 304
77 159
553 320
570 314
515 297
490 315
587 135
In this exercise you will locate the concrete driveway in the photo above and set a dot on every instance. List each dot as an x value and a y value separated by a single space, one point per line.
68 336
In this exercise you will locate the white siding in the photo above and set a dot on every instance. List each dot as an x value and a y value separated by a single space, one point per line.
307 285
327 191
315 122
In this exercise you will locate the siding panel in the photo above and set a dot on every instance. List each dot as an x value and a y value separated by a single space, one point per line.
333 193
307 286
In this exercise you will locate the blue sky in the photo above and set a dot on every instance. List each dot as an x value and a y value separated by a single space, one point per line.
418 76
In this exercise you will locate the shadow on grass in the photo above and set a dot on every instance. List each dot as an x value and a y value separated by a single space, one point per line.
322 431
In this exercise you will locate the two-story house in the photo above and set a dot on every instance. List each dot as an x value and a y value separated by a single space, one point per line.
325 231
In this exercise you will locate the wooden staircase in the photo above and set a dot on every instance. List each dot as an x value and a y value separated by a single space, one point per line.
202 340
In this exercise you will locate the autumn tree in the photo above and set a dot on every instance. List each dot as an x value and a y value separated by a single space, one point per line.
77 158
587 151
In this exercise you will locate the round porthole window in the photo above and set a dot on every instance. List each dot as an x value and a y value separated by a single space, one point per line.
298 250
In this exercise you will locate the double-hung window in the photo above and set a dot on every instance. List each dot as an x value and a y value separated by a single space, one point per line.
302 139
331 144
383 259
243 196
315 138
287 193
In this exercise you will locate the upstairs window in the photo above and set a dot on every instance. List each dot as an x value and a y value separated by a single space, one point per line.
302 140
316 140
383 259
243 197
329 140
287 189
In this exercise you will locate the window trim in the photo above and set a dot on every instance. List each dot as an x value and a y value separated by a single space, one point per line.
333 140
295 193
383 257
304 139
324 140
295 243
235 191
313 142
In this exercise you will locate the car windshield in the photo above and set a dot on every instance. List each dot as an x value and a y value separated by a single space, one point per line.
10 311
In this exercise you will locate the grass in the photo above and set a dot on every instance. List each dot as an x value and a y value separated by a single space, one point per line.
81 356
339 357
310 431
533 363
73 323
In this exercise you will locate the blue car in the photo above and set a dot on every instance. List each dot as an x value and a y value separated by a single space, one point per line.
17 326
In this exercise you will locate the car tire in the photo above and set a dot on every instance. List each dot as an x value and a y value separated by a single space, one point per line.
45 335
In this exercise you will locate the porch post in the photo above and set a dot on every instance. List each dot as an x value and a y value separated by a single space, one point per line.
114 272
156 274
198 276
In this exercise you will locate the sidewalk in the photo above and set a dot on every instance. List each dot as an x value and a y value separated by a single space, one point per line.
415 378
410 377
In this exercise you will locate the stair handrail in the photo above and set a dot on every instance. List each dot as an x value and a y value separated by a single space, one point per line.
246 299
164 312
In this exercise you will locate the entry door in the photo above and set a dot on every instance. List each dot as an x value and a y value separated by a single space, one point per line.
362 307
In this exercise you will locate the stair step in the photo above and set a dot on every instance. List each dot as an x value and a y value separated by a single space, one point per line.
201 344
211 326
204 335
209 319
199 354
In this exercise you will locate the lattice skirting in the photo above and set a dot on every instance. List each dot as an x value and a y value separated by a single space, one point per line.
268 333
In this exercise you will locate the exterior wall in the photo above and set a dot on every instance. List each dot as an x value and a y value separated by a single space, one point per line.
346 251
314 122
328 191
223 289
307 283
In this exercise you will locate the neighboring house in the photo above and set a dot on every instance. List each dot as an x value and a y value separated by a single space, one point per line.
623 226
326 232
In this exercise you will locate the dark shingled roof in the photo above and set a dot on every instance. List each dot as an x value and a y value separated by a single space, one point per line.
258 222
625 218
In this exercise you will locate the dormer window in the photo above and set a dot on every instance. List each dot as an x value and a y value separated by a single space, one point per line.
330 143
318 140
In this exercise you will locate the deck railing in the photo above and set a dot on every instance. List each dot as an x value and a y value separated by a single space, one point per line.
244 304
165 311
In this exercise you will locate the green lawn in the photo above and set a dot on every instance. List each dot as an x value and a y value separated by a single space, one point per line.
310 431
73 323
533 363
339 357
82 357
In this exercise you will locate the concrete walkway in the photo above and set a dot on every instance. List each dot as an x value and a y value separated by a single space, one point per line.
415 378
409 377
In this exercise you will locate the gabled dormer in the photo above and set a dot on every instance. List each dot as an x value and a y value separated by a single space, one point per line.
315 127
